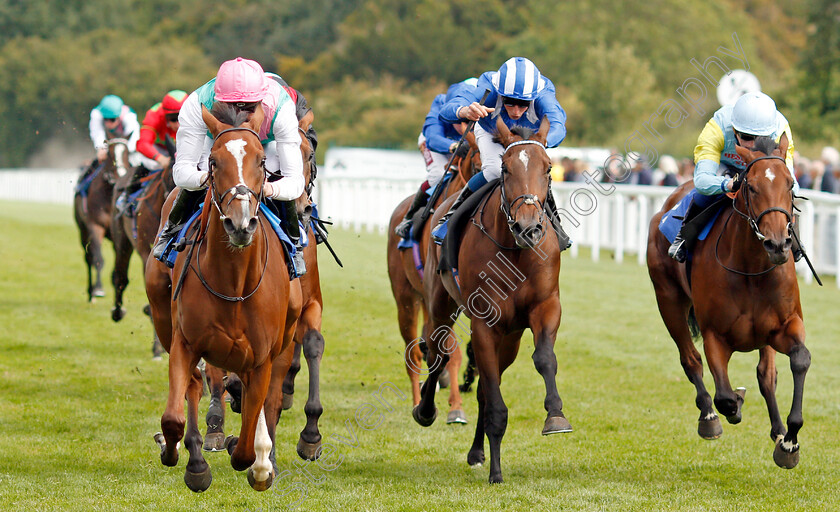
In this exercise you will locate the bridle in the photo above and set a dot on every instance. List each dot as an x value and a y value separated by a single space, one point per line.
751 218
509 209
239 190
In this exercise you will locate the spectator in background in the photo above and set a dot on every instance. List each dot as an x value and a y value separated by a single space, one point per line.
816 171
831 175
802 169
640 171
686 170
568 169
557 171
669 169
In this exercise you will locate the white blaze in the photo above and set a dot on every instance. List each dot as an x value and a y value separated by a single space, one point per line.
769 175
523 157
119 153
236 147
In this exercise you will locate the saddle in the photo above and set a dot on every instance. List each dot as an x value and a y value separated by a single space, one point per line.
418 221
180 242
702 217
456 224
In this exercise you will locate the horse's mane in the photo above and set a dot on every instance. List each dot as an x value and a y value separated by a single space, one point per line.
228 114
521 131
765 144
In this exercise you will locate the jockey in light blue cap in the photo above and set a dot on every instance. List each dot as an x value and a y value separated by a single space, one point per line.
521 96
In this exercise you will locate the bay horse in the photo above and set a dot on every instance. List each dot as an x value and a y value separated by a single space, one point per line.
509 237
741 292
235 307
136 231
92 205
407 284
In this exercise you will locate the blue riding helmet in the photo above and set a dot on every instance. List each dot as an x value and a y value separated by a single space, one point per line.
111 106
519 78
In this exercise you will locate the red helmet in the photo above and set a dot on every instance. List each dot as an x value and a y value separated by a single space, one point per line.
173 100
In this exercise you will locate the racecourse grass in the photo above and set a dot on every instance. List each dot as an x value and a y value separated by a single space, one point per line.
80 399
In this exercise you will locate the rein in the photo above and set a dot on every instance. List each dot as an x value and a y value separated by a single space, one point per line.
751 219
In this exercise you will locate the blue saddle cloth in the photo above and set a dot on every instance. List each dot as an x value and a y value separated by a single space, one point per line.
83 185
408 243
170 254
671 222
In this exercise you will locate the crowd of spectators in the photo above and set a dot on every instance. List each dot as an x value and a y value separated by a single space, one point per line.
818 174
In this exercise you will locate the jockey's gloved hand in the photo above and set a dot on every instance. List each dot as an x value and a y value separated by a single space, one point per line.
462 150
735 183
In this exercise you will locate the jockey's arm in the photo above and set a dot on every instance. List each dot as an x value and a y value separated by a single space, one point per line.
286 158
707 159
131 129
547 105
96 127
192 142
146 143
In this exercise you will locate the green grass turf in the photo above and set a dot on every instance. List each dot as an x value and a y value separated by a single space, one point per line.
80 399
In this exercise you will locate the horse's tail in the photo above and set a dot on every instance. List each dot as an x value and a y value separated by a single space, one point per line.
693 326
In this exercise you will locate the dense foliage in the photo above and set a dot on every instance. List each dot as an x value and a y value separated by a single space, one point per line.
371 67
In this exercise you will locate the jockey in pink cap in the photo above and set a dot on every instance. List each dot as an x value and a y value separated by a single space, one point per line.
244 84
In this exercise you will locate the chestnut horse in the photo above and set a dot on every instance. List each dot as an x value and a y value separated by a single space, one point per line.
743 295
407 285
92 205
137 232
509 263
307 332
235 307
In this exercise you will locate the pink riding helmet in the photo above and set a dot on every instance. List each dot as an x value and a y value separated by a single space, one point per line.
240 80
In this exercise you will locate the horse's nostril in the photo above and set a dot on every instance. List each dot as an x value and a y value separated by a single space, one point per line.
228 224
252 225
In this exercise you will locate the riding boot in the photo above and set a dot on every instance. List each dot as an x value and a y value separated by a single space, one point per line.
134 184
439 233
293 230
562 237
692 224
184 204
403 229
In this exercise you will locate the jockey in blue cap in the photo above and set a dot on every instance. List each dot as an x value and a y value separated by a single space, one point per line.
520 95
438 141
752 115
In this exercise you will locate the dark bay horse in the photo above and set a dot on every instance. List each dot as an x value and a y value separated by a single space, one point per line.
407 285
136 231
743 292
92 205
236 307
509 263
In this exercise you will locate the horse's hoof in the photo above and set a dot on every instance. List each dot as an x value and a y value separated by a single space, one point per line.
198 482
456 416
260 486
308 451
496 479
740 393
443 380
424 422
230 443
117 314
172 460
783 458
556 425
214 442
97 292
710 429
147 310
475 458
157 349
288 401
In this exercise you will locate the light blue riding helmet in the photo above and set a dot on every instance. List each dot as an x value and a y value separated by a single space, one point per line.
111 106
519 78
754 113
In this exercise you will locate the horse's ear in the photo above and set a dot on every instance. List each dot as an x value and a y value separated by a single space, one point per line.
542 134
255 120
784 142
213 124
504 133
744 153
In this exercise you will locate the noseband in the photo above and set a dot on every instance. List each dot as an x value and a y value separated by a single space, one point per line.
511 208
238 190
754 220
